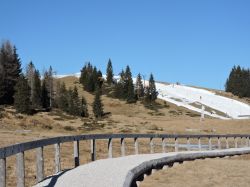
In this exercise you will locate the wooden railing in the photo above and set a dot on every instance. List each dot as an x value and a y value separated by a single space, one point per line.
19 149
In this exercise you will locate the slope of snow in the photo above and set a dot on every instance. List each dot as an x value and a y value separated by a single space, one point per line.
185 96
193 99
73 75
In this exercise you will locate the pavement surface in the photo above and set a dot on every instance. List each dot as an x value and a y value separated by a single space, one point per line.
114 171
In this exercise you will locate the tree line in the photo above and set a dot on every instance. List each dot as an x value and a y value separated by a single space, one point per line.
123 87
30 92
238 82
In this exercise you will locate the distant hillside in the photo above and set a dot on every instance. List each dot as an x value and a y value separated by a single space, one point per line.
218 104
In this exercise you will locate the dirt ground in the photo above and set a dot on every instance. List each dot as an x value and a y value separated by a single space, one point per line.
123 118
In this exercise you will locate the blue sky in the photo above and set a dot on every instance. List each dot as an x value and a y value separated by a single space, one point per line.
194 42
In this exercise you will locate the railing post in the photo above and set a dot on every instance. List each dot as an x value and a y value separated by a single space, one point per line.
151 146
110 151
176 147
235 142
188 144
199 143
163 145
136 146
219 144
241 144
3 172
39 165
20 171
246 141
76 153
57 158
123 147
93 151
227 144
210 143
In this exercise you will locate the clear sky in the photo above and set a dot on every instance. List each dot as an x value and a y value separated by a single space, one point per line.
194 42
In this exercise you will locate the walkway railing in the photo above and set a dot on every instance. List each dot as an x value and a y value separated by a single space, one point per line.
19 149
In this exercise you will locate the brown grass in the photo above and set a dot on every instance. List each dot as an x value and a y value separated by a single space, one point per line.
223 172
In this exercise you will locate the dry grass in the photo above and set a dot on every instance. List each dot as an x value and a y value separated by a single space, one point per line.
222 172
124 118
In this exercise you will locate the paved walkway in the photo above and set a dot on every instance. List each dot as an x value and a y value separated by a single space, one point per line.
101 173
109 172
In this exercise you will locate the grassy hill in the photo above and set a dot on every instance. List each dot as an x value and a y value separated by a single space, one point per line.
164 117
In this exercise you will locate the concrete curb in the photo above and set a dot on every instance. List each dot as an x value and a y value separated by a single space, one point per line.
137 173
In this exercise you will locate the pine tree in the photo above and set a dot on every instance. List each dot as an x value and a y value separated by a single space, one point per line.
33 78
45 95
90 78
238 82
50 86
151 93
119 87
10 69
84 108
129 86
76 110
49 83
109 73
97 105
30 74
62 97
36 98
22 96
70 100
139 89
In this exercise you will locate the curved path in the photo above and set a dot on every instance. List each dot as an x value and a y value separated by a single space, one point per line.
124 171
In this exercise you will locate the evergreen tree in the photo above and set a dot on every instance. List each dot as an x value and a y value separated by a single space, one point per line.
50 86
139 89
90 77
84 108
238 82
75 105
62 97
70 101
30 74
151 93
36 98
45 95
10 69
119 86
129 86
49 83
109 73
97 105
230 81
22 96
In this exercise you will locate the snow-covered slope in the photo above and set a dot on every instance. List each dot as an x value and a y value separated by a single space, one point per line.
194 98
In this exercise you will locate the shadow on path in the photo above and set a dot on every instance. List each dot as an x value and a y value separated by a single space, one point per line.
53 179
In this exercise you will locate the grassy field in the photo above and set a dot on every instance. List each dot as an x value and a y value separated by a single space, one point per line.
223 172
124 118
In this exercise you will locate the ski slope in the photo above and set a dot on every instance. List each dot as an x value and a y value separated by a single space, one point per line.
194 98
